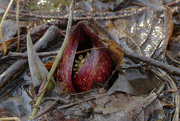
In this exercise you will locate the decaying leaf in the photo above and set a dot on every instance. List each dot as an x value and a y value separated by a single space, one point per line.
121 85
142 83
48 65
116 53
121 107
143 30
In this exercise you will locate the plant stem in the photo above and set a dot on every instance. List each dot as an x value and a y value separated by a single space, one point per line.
59 56
38 102
17 20
66 40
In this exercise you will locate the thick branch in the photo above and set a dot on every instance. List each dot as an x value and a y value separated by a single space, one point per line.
168 68
21 64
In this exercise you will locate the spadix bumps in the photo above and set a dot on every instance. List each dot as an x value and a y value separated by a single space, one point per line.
81 71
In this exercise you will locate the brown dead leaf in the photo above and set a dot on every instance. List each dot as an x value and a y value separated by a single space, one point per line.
9 42
116 53
124 107
48 65
122 85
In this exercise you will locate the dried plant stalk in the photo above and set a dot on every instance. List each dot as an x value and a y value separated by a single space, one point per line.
1 34
59 56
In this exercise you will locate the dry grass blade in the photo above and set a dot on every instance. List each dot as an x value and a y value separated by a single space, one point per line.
10 119
1 35
17 20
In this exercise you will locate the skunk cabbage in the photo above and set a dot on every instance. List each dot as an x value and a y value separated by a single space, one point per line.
81 71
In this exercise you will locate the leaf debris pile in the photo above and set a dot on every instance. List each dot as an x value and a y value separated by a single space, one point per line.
139 28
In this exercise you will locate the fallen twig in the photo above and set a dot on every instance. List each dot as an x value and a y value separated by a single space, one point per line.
173 3
46 110
132 66
60 99
76 103
105 15
82 93
24 55
168 68
44 54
